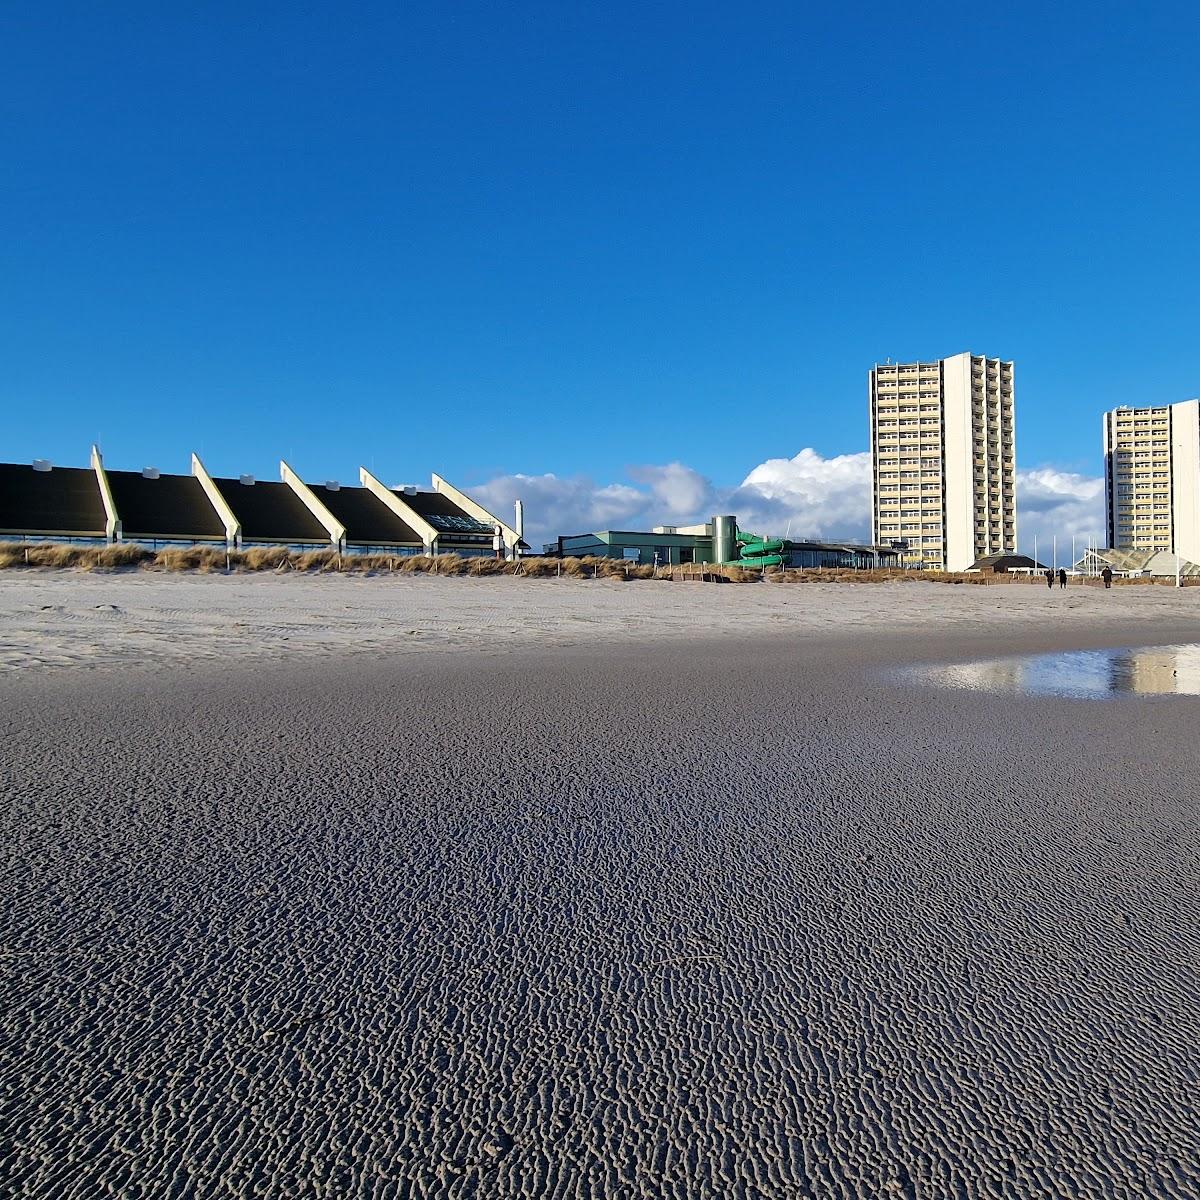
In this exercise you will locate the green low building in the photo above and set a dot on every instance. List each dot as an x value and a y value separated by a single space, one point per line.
668 545
659 546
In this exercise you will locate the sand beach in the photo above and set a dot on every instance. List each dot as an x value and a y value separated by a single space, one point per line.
334 887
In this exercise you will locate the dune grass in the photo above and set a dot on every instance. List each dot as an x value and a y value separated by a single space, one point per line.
208 559
59 554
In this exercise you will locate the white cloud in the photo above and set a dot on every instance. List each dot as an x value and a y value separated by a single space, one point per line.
813 496
808 495
555 505
679 491
1053 503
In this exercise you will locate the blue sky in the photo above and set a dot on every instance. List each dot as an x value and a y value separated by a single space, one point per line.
492 240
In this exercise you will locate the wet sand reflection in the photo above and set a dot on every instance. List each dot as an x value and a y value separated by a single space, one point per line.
1085 674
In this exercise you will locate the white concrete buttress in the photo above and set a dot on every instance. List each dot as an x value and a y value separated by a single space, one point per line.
307 497
112 521
233 528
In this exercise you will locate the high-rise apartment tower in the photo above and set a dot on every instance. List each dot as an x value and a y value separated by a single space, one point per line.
943 453
1152 478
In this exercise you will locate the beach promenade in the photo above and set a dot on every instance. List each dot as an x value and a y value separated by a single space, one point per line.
507 888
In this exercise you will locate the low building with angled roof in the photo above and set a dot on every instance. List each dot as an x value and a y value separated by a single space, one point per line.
41 502
51 503
163 508
1157 564
1001 564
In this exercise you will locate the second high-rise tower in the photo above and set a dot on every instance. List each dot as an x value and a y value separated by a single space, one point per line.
943 451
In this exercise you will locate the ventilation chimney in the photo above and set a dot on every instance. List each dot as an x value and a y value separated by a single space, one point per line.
246 480
519 527
42 464
149 472
332 485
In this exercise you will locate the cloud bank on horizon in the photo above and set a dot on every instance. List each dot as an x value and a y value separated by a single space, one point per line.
808 496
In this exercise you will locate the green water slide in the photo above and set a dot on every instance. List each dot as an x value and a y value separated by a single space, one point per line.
756 551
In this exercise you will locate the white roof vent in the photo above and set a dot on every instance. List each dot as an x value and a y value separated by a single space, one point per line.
246 480
42 464
409 489
332 485
149 472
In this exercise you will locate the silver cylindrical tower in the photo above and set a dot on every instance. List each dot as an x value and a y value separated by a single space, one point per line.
724 539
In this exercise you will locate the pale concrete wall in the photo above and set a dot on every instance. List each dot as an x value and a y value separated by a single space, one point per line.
1016 526
112 519
958 463
1185 478
307 497
1110 497
233 528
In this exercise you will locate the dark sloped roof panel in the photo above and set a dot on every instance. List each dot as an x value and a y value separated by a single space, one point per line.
271 512
171 506
442 513
65 500
367 519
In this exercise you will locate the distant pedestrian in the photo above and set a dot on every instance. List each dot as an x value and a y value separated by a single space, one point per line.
1062 577
1049 578
1106 575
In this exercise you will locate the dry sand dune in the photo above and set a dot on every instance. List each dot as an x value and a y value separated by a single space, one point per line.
707 918
70 618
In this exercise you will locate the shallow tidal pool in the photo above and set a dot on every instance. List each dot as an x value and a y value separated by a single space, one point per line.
1078 674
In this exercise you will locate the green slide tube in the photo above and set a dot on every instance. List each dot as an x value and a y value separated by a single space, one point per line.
756 551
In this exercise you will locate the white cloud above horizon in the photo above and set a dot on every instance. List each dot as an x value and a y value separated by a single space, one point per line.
1063 504
806 496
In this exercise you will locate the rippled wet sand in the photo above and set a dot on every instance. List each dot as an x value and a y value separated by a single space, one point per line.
717 920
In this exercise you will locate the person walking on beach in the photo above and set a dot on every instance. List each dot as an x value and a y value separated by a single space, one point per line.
1062 577
1049 578
1106 575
